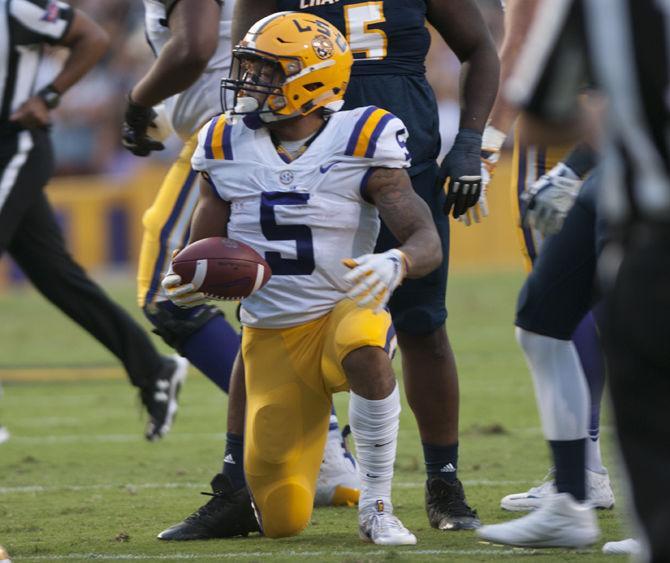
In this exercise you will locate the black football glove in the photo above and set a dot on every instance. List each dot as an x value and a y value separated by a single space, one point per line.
461 174
134 134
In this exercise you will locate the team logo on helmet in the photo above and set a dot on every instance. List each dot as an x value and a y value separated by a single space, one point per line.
323 47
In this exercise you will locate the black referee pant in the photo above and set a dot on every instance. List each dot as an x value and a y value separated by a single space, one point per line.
637 340
29 232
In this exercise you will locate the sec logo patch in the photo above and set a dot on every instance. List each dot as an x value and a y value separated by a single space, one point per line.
286 177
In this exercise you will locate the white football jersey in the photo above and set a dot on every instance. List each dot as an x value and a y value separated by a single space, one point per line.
303 216
189 109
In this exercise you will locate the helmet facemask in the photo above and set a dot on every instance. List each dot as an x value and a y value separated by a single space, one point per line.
256 83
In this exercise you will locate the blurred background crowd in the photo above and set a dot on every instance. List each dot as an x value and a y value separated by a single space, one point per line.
86 130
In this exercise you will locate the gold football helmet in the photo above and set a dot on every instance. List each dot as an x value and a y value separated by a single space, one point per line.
288 64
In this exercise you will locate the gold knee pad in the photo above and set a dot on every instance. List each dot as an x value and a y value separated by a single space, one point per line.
286 507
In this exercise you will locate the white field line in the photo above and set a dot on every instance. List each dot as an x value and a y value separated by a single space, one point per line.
134 487
111 438
174 437
490 552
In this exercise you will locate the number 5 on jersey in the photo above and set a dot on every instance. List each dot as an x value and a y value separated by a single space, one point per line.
303 263
371 42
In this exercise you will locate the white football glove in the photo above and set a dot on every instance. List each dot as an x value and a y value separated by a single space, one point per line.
492 142
182 295
550 198
373 277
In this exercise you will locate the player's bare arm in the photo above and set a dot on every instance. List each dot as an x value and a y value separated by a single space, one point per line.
247 13
210 218
194 25
518 18
408 218
461 25
87 43
194 37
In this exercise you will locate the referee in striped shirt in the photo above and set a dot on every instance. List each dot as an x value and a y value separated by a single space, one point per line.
28 229
624 46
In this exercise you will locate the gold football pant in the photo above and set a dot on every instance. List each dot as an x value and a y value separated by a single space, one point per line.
166 224
291 374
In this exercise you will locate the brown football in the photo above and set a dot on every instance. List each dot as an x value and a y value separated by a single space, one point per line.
222 268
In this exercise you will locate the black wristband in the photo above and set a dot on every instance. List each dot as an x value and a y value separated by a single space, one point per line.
50 96
138 116
581 159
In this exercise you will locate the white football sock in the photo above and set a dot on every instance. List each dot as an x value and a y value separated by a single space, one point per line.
560 385
374 426
594 460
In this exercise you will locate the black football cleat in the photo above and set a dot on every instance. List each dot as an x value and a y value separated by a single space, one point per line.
446 506
228 513
160 397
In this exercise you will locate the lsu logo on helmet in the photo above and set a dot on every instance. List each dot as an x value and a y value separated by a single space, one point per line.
288 64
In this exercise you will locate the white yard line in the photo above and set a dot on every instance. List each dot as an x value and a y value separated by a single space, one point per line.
364 553
133 487
111 438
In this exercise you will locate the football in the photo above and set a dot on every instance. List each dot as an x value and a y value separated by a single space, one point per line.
222 268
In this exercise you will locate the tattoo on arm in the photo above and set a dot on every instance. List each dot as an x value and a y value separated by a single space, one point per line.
408 217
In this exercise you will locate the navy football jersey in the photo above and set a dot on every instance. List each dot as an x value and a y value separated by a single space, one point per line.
389 41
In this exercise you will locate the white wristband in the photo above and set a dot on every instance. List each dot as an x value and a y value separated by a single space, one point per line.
493 138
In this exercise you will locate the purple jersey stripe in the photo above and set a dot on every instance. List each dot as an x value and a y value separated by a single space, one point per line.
372 146
364 184
208 140
227 146
351 145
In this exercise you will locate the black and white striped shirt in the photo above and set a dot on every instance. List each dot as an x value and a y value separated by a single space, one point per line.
624 45
25 26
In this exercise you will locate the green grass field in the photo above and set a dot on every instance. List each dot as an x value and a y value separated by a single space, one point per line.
78 482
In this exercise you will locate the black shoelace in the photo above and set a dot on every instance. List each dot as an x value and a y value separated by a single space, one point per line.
450 499
212 505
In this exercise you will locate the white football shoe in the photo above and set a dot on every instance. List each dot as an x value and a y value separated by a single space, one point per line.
624 547
338 483
377 525
4 434
560 521
598 492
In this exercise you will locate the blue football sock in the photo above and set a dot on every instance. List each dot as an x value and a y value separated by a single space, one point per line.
233 460
587 343
589 349
212 349
569 461
441 461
